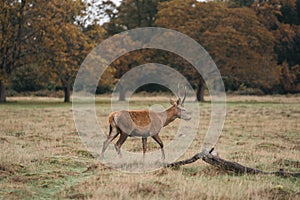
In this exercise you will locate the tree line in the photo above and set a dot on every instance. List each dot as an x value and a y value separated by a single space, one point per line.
255 44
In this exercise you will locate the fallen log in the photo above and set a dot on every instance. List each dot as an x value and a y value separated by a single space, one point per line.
225 165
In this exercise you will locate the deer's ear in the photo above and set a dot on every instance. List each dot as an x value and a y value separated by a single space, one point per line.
172 102
178 101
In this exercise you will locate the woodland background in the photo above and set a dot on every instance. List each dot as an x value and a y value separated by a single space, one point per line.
255 44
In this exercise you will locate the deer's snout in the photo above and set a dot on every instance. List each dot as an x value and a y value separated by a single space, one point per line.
185 115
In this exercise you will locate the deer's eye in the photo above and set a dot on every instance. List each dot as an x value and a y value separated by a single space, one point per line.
181 108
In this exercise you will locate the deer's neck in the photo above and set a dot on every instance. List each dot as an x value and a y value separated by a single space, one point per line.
170 116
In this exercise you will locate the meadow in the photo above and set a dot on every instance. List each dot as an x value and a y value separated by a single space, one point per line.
42 156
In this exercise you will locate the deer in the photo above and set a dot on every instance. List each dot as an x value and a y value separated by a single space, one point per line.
144 124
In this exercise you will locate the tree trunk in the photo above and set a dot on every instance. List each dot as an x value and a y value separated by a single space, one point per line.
138 8
122 93
2 92
67 91
200 90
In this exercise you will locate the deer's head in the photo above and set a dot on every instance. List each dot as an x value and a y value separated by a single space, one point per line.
178 108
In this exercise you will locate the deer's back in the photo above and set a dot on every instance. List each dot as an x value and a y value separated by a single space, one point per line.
136 122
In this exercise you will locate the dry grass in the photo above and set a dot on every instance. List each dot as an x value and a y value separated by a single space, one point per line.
43 157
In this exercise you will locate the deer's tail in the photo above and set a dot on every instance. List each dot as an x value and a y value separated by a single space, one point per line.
111 123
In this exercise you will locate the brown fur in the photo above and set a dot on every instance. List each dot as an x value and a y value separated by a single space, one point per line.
140 117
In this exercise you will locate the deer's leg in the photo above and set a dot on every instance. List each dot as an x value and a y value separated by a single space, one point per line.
111 136
161 144
144 141
120 142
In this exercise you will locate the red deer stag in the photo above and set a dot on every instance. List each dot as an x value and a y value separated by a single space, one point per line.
143 123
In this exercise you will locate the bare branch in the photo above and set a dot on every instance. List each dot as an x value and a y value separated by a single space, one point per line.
228 165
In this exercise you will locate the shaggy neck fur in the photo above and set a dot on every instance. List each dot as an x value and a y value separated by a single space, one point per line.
171 115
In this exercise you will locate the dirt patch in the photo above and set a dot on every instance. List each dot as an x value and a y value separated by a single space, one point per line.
16 133
77 196
277 193
65 161
212 171
25 179
296 147
84 153
269 146
162 172
3 140
206 171
10 169
143 189
288 163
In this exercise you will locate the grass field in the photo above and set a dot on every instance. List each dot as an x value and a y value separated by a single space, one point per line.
42 156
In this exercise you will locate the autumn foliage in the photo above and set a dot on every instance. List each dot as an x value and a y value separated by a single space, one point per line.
255 44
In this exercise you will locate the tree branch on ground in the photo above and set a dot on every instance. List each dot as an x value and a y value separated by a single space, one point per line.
228 165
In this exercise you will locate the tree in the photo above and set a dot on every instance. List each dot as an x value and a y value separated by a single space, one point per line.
16 39
240 45
282 19
29 78
47 34
64 42
124 64
290 12
241 3
184 17
128 15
